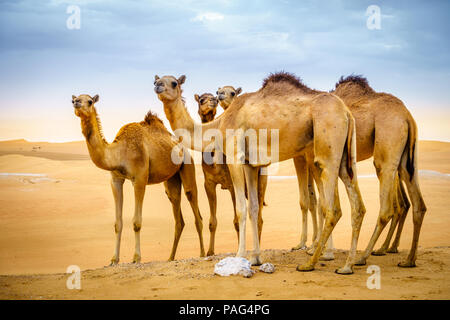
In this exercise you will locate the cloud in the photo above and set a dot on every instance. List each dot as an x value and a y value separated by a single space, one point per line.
208 16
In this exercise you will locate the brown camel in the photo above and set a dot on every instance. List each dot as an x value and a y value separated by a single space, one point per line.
387 131
218 173
141 153
293 111
226 95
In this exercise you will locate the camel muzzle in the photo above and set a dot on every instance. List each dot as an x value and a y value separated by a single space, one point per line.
159 89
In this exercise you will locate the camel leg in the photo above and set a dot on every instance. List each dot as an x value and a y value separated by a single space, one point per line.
117 190
238 179
387 184
210 189
251 179
328 255
313 205
358 210
139 192
173 192
235 219
419 210
262 185
401 220
399 205
301 168
187 174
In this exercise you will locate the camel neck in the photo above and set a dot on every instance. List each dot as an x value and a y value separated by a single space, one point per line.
97 146
207 117
180 118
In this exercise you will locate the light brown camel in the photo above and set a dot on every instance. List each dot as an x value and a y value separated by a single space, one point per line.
386 131
141 153
226 95
218 174
294 111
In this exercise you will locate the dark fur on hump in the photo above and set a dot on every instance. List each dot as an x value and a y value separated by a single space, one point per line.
354 78
152 118
286 77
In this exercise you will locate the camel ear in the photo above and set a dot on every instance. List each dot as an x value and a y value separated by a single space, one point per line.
238 90
95 98
181 79
156 77
197 97
73 97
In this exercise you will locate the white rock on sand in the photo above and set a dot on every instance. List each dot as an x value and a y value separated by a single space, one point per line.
267 268
233 266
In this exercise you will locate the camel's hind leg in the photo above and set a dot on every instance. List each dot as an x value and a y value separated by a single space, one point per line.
313 206
210 188
173 191
401 220
139 184
401 207
117 189
187 174
419 209
262 186
251 179
301 168
235 218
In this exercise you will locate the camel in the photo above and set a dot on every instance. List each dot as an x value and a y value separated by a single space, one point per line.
301 117
387 131
218 173
141 153
226 95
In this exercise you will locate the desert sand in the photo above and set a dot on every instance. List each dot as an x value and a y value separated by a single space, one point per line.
57 210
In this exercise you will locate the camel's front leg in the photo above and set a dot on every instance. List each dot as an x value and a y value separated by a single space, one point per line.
210 189
237 176
301 169
117 189
139 191
251 178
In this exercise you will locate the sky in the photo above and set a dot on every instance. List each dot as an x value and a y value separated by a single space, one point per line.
121 45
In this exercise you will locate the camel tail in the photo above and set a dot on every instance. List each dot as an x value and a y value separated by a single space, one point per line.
351 147
411 145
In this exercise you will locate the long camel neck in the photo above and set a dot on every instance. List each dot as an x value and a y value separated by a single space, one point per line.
180 118
99 150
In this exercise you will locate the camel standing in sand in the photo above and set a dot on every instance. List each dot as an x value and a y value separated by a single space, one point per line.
218 173
295 111
226 96
387 131
141 153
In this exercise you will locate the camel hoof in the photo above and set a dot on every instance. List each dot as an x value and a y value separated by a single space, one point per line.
361 262
379 252
327 257
392 250
299 247
210 253
255 260
137 258
344 270
114 261
310 251
305 268
407 264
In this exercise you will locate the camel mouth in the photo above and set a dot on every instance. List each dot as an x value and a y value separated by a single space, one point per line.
159 89
221 97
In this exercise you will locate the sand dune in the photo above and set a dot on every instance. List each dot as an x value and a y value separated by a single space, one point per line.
56 210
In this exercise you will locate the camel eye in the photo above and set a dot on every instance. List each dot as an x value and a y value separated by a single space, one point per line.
174 84
217 92
90 102
202 101
73 101
233 94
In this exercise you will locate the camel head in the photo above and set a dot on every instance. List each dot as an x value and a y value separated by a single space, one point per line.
207 106
84 104
168 88
226 95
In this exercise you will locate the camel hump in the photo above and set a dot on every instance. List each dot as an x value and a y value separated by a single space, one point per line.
151 118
